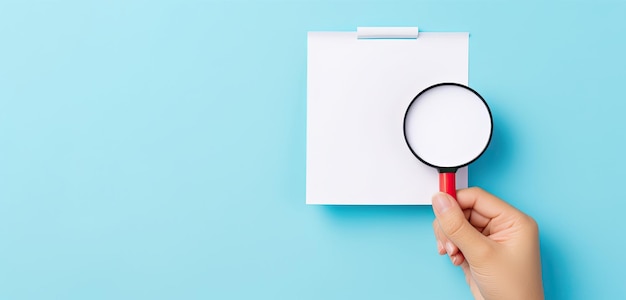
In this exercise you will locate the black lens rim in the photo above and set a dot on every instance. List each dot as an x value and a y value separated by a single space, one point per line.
454 168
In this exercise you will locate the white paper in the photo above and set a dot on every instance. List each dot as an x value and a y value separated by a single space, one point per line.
357 93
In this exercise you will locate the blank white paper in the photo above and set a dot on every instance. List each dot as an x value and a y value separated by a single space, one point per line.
357 93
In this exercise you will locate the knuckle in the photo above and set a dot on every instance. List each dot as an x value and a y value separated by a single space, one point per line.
472 192
530 224
476 189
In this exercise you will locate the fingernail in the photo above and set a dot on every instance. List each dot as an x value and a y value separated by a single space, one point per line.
441 203
449 248
439 246
454 258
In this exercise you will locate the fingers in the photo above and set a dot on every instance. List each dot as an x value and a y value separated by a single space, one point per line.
482 203
444 246
454 225
457 259
461 226
440 239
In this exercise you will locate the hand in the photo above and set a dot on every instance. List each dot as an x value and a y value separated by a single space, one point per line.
496 245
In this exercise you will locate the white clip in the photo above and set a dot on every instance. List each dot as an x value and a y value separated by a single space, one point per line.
387 32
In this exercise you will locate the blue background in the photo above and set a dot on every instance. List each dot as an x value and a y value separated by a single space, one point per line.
156 150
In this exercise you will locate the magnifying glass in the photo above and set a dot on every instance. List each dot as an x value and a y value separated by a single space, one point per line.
448 126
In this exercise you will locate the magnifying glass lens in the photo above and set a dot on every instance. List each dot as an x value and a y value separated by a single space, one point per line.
448 126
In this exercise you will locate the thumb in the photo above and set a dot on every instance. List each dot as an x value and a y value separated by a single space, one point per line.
457 229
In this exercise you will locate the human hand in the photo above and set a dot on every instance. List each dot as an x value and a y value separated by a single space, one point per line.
496 245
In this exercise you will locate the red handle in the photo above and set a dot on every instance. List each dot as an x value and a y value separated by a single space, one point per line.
447 183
